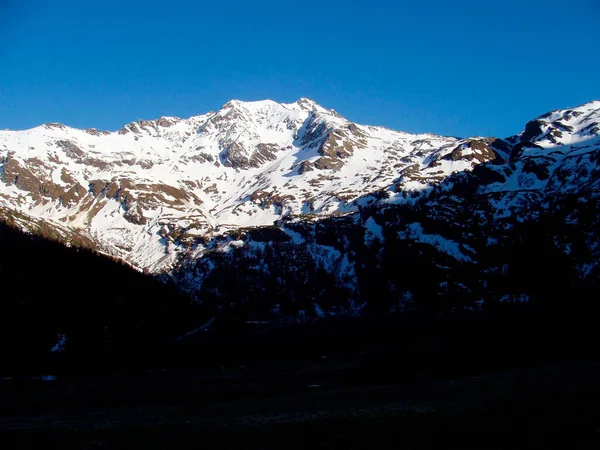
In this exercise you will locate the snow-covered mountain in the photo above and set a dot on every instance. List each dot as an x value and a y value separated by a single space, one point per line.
170 195
247 164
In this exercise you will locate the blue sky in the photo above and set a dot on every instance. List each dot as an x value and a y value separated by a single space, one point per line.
448 67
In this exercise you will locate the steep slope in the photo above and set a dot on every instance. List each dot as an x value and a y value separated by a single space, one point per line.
521 226
290 207
69 303
247 164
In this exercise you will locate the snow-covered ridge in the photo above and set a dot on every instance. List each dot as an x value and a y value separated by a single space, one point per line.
146 192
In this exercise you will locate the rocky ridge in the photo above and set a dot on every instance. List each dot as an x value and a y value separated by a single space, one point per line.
288 198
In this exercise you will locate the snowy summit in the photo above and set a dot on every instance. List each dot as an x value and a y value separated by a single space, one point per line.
137 192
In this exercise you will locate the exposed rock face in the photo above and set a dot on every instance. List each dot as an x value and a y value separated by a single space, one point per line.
328 163
296 193
263 154
474 150
267 199
533 129
234 156
95 132
70 149
31 176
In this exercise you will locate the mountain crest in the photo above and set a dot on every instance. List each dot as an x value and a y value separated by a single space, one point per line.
157 188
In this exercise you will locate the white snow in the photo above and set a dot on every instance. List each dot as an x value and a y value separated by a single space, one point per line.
60 345
180 175
373 231
296 237
452 248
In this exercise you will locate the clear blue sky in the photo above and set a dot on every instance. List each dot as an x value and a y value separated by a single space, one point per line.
449 67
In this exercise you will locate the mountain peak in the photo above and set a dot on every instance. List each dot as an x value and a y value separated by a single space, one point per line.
306 103
252 163
302 104
564 126
250 105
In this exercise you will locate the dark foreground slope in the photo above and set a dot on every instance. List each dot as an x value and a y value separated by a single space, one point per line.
510 376
109 313
115 319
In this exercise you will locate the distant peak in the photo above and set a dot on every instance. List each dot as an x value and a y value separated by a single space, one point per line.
232 104
166 121
306 103
302 104
592 104
54 125
259 109
584 107
249 106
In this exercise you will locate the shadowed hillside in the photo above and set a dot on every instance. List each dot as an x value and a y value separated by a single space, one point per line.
108 313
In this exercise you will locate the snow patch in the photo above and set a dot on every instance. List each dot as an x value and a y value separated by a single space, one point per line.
415 232
61 344
373 231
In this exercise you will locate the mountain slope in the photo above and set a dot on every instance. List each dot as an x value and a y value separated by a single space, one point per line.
247 164
294 211
59 302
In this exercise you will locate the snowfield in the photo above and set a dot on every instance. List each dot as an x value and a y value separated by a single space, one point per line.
156 189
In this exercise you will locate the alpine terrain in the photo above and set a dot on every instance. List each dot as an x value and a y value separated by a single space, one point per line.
290 212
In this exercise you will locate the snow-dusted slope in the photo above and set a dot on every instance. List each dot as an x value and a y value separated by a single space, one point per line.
247 164
156 188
